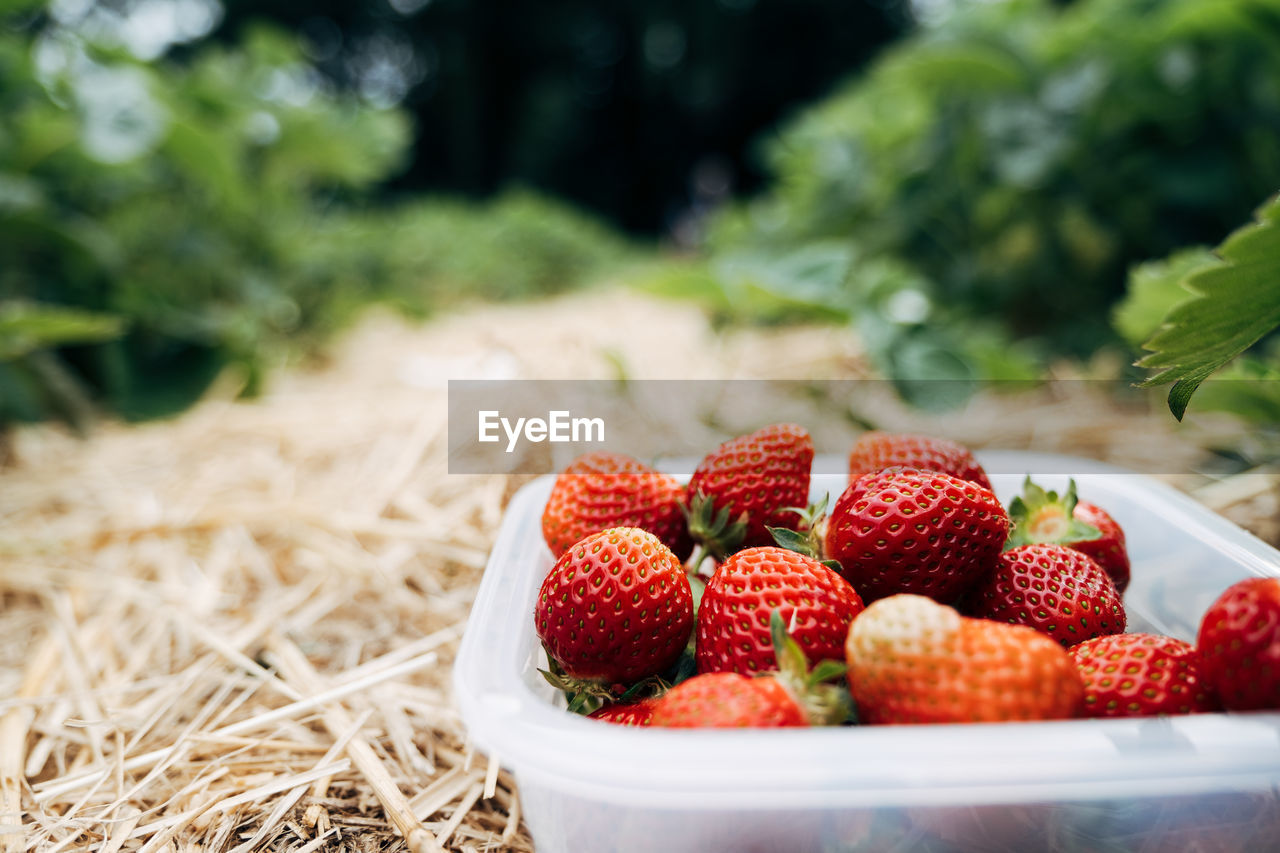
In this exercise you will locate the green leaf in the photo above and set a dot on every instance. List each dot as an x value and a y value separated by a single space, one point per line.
1237 302
1248 389
686 667
1154 289
26 327
828 670
792 540
697 586
790 657
8 7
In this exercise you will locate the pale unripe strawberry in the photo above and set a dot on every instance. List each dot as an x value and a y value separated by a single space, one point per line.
912 660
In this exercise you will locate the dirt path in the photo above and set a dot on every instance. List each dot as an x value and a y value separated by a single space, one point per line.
234 630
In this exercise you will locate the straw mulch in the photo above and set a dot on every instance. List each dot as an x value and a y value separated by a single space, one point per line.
234 631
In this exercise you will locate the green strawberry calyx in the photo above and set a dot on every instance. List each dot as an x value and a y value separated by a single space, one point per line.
713 529
807 536
825 704
1041 516
585 695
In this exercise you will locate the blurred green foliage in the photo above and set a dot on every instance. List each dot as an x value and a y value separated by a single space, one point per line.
1011 163
888 304
160 222
633 109
1154 288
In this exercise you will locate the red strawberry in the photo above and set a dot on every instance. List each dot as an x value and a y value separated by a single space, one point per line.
602 490
1108 549
733 633
910 530
1055 589
638 713
728 700
755 479
912 660
1239 645
615 608
1140 675
1041 516
875 451
794 695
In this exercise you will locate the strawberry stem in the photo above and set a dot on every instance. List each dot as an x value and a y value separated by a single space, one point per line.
806 539
825 704
719 535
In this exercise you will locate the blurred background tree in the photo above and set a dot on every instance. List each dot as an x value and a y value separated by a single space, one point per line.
188 186
630 108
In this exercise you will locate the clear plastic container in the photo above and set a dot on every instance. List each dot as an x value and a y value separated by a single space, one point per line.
1209 781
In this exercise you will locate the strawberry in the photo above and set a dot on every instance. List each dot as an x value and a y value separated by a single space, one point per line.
875 451
602 490
752 481
1140 675
1239 645
912 660
638 713
917 531
1108 550
615 608
728 700
794 695
1055 589
1042 516
733 633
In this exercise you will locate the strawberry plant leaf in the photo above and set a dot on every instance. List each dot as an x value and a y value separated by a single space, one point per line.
1154 288
824 704
686 667
790 656
697 586
792 540
26 327
828 670
804 540
1236 303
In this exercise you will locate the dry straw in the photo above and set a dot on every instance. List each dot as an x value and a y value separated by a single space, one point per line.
234 631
